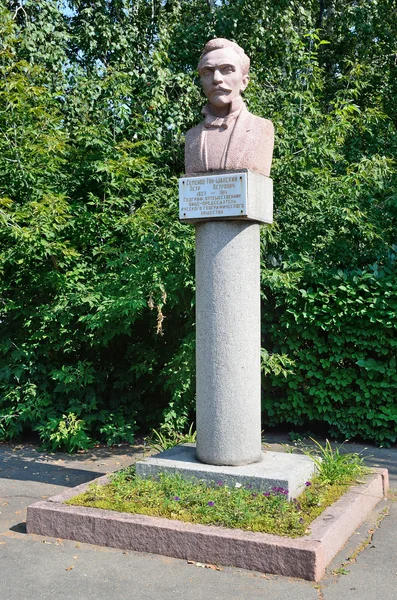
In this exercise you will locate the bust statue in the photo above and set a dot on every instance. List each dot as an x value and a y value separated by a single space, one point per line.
229 137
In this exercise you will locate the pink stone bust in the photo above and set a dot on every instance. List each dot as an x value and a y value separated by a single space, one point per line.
229 137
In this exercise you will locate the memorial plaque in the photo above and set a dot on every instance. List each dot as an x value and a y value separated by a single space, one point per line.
213 196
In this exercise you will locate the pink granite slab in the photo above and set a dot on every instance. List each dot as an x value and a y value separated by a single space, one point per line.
306 557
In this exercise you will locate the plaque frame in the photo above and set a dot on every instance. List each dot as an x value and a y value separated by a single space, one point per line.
257 198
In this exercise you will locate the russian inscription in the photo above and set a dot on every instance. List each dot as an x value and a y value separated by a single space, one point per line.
213 196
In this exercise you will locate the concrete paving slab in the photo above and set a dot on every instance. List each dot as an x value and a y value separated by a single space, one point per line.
34 567
367 567
46 568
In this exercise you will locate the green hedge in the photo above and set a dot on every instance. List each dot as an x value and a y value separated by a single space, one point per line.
97 273
339 335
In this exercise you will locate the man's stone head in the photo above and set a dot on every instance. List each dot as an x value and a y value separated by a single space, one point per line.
223 69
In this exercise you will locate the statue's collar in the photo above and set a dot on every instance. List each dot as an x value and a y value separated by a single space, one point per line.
211 121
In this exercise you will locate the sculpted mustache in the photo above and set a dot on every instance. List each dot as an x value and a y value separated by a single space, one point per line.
220 89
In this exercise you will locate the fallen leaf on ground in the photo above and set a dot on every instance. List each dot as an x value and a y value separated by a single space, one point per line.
69 568
204 565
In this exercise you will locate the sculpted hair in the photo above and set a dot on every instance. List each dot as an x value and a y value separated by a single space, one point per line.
218 43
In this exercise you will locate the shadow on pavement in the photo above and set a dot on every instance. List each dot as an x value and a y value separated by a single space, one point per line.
25 463
19 528
21 469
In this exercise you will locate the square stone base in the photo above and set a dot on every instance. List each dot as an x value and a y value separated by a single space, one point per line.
276 469
305 557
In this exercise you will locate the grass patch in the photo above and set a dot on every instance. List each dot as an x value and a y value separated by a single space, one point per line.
334 466
242 507
163 440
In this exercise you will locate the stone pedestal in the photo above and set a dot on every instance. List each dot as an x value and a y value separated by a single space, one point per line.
275 469
227 209
228 410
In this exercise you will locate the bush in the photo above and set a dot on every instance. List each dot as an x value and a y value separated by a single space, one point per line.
340 333
97 279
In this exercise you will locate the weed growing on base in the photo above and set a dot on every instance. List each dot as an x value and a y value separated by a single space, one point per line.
334 466
163 440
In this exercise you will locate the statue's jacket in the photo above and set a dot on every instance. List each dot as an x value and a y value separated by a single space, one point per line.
250 146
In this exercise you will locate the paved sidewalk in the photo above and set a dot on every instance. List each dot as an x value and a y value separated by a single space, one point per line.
34 567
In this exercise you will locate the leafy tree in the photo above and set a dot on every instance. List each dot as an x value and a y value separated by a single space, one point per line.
97 282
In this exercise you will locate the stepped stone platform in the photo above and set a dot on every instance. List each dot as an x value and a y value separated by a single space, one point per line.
305 557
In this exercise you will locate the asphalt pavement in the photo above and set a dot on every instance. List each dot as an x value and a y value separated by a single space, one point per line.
33 567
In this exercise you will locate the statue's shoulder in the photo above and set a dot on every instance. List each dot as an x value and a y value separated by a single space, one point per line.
193 159
261 124
192 134
258 136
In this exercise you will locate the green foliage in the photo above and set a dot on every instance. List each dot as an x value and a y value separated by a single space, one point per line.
340 331
336 467
66 434
96 272
169 437
96 269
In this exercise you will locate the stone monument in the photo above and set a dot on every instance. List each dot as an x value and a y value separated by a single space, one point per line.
227 257
226 193
229 137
